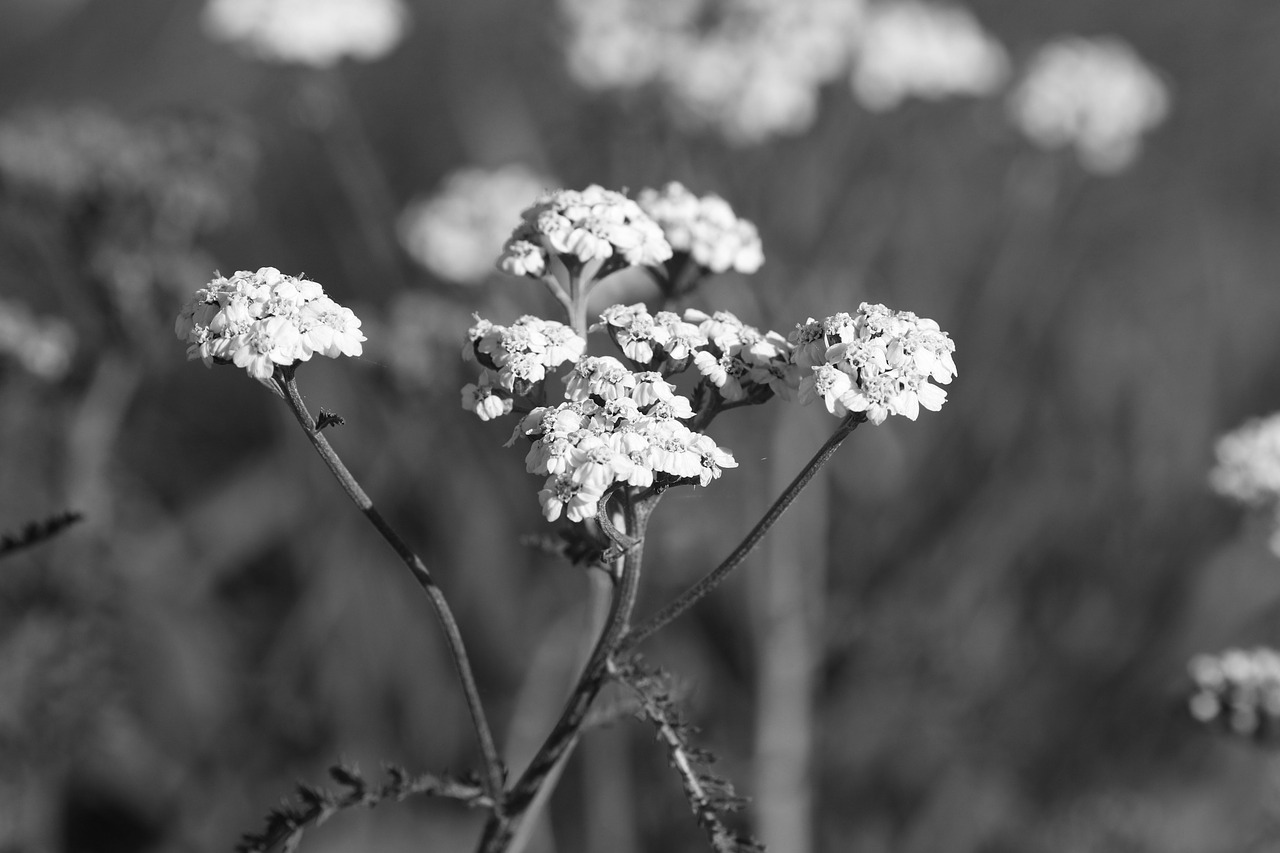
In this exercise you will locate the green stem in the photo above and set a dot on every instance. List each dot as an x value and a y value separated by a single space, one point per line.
713 578
500 829
493 780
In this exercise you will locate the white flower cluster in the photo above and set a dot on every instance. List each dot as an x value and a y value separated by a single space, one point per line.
1094 94
661 341
753 69
513 359
1238 687
738 360
878 362
752 74
909 48
705 228
258 320
593 232
317 33
43 346
1248 467
457 232
742 362
616 427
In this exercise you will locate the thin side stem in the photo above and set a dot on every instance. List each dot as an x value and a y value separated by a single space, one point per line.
670 728
713 578
493 778
500 830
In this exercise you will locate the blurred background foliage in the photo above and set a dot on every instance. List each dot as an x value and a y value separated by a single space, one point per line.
970 636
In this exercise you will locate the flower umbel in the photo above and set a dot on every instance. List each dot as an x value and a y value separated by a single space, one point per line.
456 232
317 33
1096 95
924 50
741 362
588 233
264 319
879 362
704 228
1248 469
1239 688
515 358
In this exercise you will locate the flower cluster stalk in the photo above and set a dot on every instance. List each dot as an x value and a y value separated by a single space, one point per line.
502 828
493 775
713 578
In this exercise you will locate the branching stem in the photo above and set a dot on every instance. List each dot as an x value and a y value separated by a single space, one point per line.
713 578
500 829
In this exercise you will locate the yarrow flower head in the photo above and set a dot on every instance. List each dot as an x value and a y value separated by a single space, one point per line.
878 362
741 362
318 33
926 50
747 69
514 360
662 341
704 228
1238 688
264 319
1248 467
42 345
617 428
588 233
457 232
1096 95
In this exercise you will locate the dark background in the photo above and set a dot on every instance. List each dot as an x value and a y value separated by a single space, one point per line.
969 636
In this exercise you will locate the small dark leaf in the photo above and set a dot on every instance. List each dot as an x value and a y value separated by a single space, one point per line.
328 419
35 532
348 776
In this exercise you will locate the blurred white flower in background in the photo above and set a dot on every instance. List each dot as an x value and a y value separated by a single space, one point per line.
754 69
705 228
1094 94
1248 468
924 50
1239 687
758 74
458 232
749 69
43 346
318 33
623 44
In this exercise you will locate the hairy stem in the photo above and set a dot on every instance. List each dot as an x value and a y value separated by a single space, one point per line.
501 829
713 578
493 778
673 732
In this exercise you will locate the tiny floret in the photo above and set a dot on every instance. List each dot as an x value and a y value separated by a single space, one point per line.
264 319
878 362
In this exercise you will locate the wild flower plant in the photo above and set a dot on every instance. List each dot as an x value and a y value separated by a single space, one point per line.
607 434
